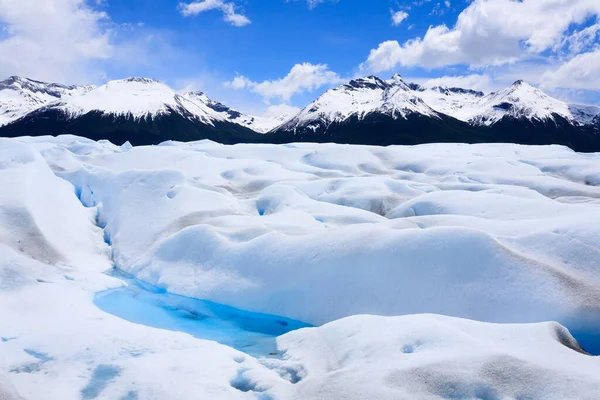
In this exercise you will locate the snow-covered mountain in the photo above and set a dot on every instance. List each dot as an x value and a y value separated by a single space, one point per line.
375 111
140 110
366 110
360 98
398 99
18 96
520 100
136 98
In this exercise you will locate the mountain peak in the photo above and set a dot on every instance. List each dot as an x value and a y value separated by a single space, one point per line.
368 82
140 80
12 79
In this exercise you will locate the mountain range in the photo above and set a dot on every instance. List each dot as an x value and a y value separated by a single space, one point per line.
367 110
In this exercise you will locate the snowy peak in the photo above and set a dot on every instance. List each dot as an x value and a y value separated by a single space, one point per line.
136 79
520 101
369 82
137 97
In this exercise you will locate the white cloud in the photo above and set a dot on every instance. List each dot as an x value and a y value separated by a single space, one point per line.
240 82
475 82
313 3
581 72
56 40
398 17
487 32
228 9
305 77
280 110
580 40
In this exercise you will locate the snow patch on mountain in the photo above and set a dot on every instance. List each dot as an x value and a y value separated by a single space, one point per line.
456 102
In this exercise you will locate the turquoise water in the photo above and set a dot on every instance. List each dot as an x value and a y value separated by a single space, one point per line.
142 303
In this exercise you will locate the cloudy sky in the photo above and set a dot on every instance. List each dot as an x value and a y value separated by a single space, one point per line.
264 55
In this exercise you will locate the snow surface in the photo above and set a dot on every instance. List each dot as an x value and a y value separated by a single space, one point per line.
498 233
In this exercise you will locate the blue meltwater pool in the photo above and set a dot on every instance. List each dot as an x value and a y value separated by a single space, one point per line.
142 303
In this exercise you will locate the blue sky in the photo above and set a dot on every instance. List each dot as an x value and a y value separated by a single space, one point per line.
256 54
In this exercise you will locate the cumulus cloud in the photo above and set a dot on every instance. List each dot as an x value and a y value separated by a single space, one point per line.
305 77
487 32
52 39
398 17
580 40
475 81
229 10
313 3
581 72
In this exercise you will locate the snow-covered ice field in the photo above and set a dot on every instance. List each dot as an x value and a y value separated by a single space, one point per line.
169 272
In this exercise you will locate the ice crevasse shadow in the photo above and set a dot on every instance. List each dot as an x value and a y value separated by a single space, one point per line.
145 304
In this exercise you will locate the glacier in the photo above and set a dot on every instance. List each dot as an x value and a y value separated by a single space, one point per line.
432 272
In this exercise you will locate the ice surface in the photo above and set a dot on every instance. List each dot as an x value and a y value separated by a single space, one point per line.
497 233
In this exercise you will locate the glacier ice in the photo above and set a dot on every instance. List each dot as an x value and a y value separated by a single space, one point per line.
503 234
